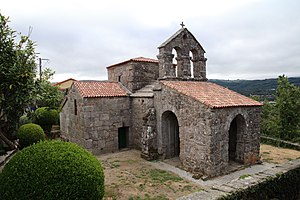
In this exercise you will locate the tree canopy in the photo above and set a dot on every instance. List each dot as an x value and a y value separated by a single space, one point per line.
47 95
288 106
17 73
282 119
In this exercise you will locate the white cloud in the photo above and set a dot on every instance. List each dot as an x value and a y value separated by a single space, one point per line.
243 39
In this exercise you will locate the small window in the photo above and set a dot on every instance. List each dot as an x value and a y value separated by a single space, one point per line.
75 107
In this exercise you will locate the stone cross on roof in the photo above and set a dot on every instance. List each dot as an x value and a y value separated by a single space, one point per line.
182 25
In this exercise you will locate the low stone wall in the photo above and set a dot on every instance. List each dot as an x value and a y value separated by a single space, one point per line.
279 143
283 184
265 181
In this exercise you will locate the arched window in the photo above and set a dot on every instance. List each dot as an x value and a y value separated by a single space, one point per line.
177 61
192 64
174 52
193 61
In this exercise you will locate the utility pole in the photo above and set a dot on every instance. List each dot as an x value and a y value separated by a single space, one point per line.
40 66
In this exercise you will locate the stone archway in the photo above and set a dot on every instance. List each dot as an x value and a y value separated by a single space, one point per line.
235 144
170 132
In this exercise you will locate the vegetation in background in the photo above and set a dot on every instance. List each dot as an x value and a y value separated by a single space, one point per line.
264 89
45 94
17 73
24 120
282 118
46 117
52 170
20 88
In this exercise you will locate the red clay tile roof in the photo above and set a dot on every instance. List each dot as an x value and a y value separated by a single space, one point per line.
139 59
91 89
58 83
211 94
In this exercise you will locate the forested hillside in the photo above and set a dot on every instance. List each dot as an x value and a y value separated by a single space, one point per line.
264 88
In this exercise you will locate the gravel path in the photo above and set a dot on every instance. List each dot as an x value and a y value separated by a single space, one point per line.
218 180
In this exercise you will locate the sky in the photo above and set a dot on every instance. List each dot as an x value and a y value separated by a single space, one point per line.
248 39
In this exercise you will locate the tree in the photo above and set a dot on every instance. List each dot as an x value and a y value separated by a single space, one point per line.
45 94
288 106
282 119
269 119
17 73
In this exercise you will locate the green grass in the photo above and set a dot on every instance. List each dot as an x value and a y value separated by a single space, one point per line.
130 161
148 197
244 176
115 164
268 159
163 176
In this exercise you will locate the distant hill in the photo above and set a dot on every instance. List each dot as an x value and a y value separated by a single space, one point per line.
264 88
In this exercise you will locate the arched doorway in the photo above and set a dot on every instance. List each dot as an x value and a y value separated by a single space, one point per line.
235 143
170 131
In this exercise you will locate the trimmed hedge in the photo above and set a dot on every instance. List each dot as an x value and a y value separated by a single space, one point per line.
281 186
46 117
24 120
29 134
52 170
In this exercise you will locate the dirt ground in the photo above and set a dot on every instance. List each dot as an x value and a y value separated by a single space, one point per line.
128 176
277 155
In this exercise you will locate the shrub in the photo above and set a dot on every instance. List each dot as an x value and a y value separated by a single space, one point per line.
24 120
52 170
46 117
29 134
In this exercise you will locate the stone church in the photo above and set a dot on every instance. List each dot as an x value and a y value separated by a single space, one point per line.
166 108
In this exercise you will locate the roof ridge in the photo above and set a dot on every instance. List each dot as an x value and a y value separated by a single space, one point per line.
96 81
181 30
137 59
69 79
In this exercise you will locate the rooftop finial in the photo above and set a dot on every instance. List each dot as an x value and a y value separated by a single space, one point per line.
182 25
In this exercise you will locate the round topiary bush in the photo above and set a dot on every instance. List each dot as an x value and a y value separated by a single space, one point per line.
52 170
29 134
24 120
46 117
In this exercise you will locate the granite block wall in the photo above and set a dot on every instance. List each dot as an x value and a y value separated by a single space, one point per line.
194 132
95 127
134 75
